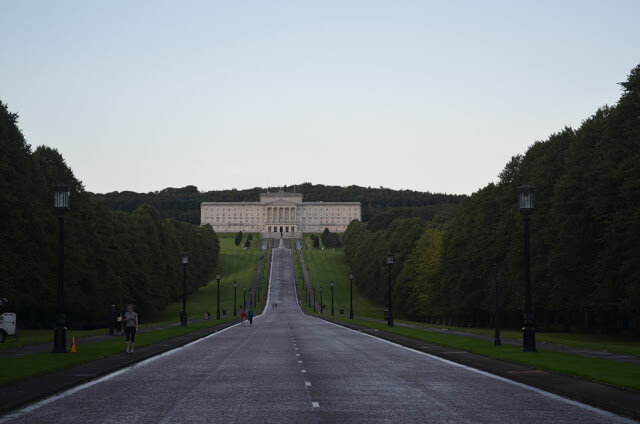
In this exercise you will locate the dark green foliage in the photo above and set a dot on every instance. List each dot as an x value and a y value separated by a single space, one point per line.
315 242
366 252
323 237
584 239
183 204
238 238
111 257
247 244
332 240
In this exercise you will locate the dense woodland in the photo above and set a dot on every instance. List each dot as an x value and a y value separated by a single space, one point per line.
184 203
585 237
110 256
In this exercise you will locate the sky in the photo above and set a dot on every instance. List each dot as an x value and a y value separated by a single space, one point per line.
421 95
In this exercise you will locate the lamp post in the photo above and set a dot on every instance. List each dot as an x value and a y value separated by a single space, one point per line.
244 298
351 295
496 338
321 304
60 207
389 262
314 299
235 292
218 277
183 313
332 283
525 205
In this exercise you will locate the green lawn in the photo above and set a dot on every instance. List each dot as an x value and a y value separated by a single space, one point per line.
329 265
621 343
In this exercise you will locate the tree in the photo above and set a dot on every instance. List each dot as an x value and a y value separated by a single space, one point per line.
238 239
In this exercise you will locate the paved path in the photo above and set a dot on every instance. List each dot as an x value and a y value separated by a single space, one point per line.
292 368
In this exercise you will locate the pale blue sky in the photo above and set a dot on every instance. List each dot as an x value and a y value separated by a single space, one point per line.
421 95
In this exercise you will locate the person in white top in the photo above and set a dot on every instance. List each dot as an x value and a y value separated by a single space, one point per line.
130 327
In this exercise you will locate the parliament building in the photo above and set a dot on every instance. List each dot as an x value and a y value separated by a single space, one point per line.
279 215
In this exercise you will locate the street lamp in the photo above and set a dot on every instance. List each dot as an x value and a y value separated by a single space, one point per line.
235 290
183 313
351 295
244 297
61 194
496 338
332 283
525 205
314 299
389 262
218 277
321 304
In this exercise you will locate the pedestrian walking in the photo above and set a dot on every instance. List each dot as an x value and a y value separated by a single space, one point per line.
130 327
243 316
250 315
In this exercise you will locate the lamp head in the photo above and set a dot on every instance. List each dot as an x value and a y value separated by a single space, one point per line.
525 199
61 194
389 260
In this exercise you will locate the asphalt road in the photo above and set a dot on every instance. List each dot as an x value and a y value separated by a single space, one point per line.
292 368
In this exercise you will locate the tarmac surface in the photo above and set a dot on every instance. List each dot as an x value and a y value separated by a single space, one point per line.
290 367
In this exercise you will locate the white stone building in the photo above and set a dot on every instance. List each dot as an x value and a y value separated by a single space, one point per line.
279 214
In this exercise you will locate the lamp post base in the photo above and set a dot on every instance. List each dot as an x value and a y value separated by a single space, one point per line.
183 318
60 335
528 335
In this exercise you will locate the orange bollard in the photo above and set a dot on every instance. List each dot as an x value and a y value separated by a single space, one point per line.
73 344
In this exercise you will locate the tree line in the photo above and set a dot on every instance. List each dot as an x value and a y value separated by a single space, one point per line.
111 257
183 204
584 237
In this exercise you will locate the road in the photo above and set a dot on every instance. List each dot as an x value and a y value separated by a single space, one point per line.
292 368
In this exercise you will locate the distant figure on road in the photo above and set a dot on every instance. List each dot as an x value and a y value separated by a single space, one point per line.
130 327
250 315
207 315
243 316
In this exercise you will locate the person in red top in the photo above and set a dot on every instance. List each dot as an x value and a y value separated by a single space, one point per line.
243 316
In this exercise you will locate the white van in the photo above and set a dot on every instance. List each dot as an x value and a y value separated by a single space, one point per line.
7 325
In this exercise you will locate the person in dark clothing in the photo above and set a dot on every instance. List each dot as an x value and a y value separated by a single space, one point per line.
250 316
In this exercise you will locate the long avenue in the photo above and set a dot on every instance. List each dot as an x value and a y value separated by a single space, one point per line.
292 368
